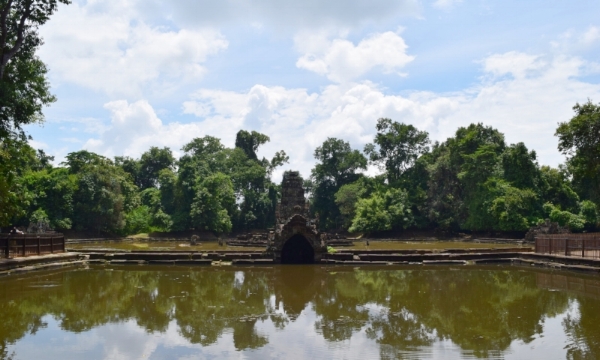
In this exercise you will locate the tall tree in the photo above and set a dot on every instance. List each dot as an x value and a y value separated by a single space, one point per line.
23 85
16 157
151 163
337 166
520 166
396 147
579 140
460 166
249 142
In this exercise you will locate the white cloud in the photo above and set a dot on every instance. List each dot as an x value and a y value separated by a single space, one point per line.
280 14
591 35
577 41
525 108
515 63
116 52
341 61
445 4
135 128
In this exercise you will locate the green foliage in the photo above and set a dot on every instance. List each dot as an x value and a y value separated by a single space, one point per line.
575 222
159 220
579 140
513 209
24 89
589 211
556 188
250 142
138 220
53 191
397 147
337 166
104 195
346 199
371 215
213 198
460 166
12 196
150 165
472 181
78 160
39 216
381 212
520 166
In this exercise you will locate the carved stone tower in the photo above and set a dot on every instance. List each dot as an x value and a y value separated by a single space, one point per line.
296 239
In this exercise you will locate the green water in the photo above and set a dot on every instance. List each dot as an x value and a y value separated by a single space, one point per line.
300 312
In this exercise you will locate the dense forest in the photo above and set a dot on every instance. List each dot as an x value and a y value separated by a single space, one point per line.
473 181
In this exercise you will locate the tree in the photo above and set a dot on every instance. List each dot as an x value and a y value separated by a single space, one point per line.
52 190
575 222
23 85
383 211
77 160
249 142
337 166
104 195
589 211
520 166
556 188
397 147
346 198
214 197
579 140
512 209
130 166
151 163
15 158
459 167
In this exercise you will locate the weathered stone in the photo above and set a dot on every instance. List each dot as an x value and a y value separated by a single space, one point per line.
547 227
296 238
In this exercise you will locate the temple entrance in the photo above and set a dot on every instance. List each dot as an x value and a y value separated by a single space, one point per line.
297 250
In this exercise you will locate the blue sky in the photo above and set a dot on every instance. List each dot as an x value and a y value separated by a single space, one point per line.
130 74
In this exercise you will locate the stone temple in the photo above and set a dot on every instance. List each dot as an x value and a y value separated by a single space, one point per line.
296 238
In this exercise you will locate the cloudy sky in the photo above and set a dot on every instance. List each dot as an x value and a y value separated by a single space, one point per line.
131 74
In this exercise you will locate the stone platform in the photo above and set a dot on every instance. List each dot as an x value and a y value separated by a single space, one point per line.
40 262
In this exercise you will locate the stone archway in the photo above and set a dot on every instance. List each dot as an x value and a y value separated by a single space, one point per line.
297 250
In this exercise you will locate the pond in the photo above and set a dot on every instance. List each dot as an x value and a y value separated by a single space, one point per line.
300 312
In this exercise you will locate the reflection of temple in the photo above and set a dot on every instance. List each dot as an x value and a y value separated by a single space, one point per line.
296 239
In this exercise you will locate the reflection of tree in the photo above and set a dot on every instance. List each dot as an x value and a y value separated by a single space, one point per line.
339 306
246 337
481 310
583 331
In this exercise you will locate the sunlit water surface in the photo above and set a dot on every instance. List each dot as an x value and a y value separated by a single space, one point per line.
300 312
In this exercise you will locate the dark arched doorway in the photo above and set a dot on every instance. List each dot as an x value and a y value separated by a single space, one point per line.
297 250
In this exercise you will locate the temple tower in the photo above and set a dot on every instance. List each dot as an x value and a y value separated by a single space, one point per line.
296 239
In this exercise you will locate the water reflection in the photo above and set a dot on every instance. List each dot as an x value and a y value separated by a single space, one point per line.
271 312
